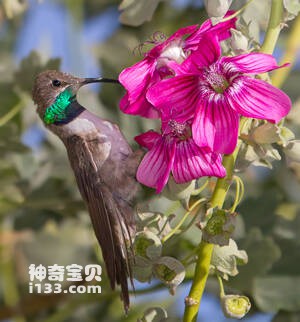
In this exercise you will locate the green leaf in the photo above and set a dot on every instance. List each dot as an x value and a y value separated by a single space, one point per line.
288 210
10 140
262 252
136 12
8 98
11 199
288 222
50 200
292 6
274 293
226 258
258 211
287 317
59 244
26 164
30 66
289 263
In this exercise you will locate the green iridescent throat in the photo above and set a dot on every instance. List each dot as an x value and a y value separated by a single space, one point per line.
58 111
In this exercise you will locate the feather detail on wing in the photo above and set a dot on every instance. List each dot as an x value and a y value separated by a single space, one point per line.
112 216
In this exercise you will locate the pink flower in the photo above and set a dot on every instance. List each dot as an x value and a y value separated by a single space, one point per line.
216 90
160 62
175 151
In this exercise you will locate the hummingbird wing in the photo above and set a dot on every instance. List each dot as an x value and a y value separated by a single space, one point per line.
111 214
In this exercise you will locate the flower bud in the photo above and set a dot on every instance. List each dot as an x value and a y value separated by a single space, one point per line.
238 42
154 314
217 8
292 7
292 150
235 306
267 133
286 135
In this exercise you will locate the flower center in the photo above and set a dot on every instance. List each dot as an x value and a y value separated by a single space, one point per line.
216 79
181 131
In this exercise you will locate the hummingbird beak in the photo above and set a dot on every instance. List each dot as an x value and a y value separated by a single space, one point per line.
99 80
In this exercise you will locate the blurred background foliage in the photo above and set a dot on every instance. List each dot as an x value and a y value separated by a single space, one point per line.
42 218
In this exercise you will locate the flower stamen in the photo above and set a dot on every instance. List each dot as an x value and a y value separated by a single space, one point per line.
215 79
181 131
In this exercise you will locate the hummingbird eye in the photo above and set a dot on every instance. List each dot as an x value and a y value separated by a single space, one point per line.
56 83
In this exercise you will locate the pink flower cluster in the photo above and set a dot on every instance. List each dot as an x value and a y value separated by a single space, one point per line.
199 97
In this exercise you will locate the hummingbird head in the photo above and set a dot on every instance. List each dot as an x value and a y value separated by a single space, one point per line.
54 93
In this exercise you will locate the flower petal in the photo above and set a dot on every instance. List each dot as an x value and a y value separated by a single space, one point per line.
147 139
216 125
257 99
192 162
155 168
136 80
176 97
222 29
253 63
207 53
183 32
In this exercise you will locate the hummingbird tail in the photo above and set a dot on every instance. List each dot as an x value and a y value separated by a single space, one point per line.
122 221
113 232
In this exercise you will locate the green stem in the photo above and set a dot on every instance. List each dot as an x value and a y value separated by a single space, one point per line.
192 302
274 27
173 231
222 292
9 115
10 287
205 250
199 190
238 194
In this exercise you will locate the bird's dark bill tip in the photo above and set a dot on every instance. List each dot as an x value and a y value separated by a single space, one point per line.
100 80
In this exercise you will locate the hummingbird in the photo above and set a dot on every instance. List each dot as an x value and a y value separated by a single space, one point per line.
104 166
